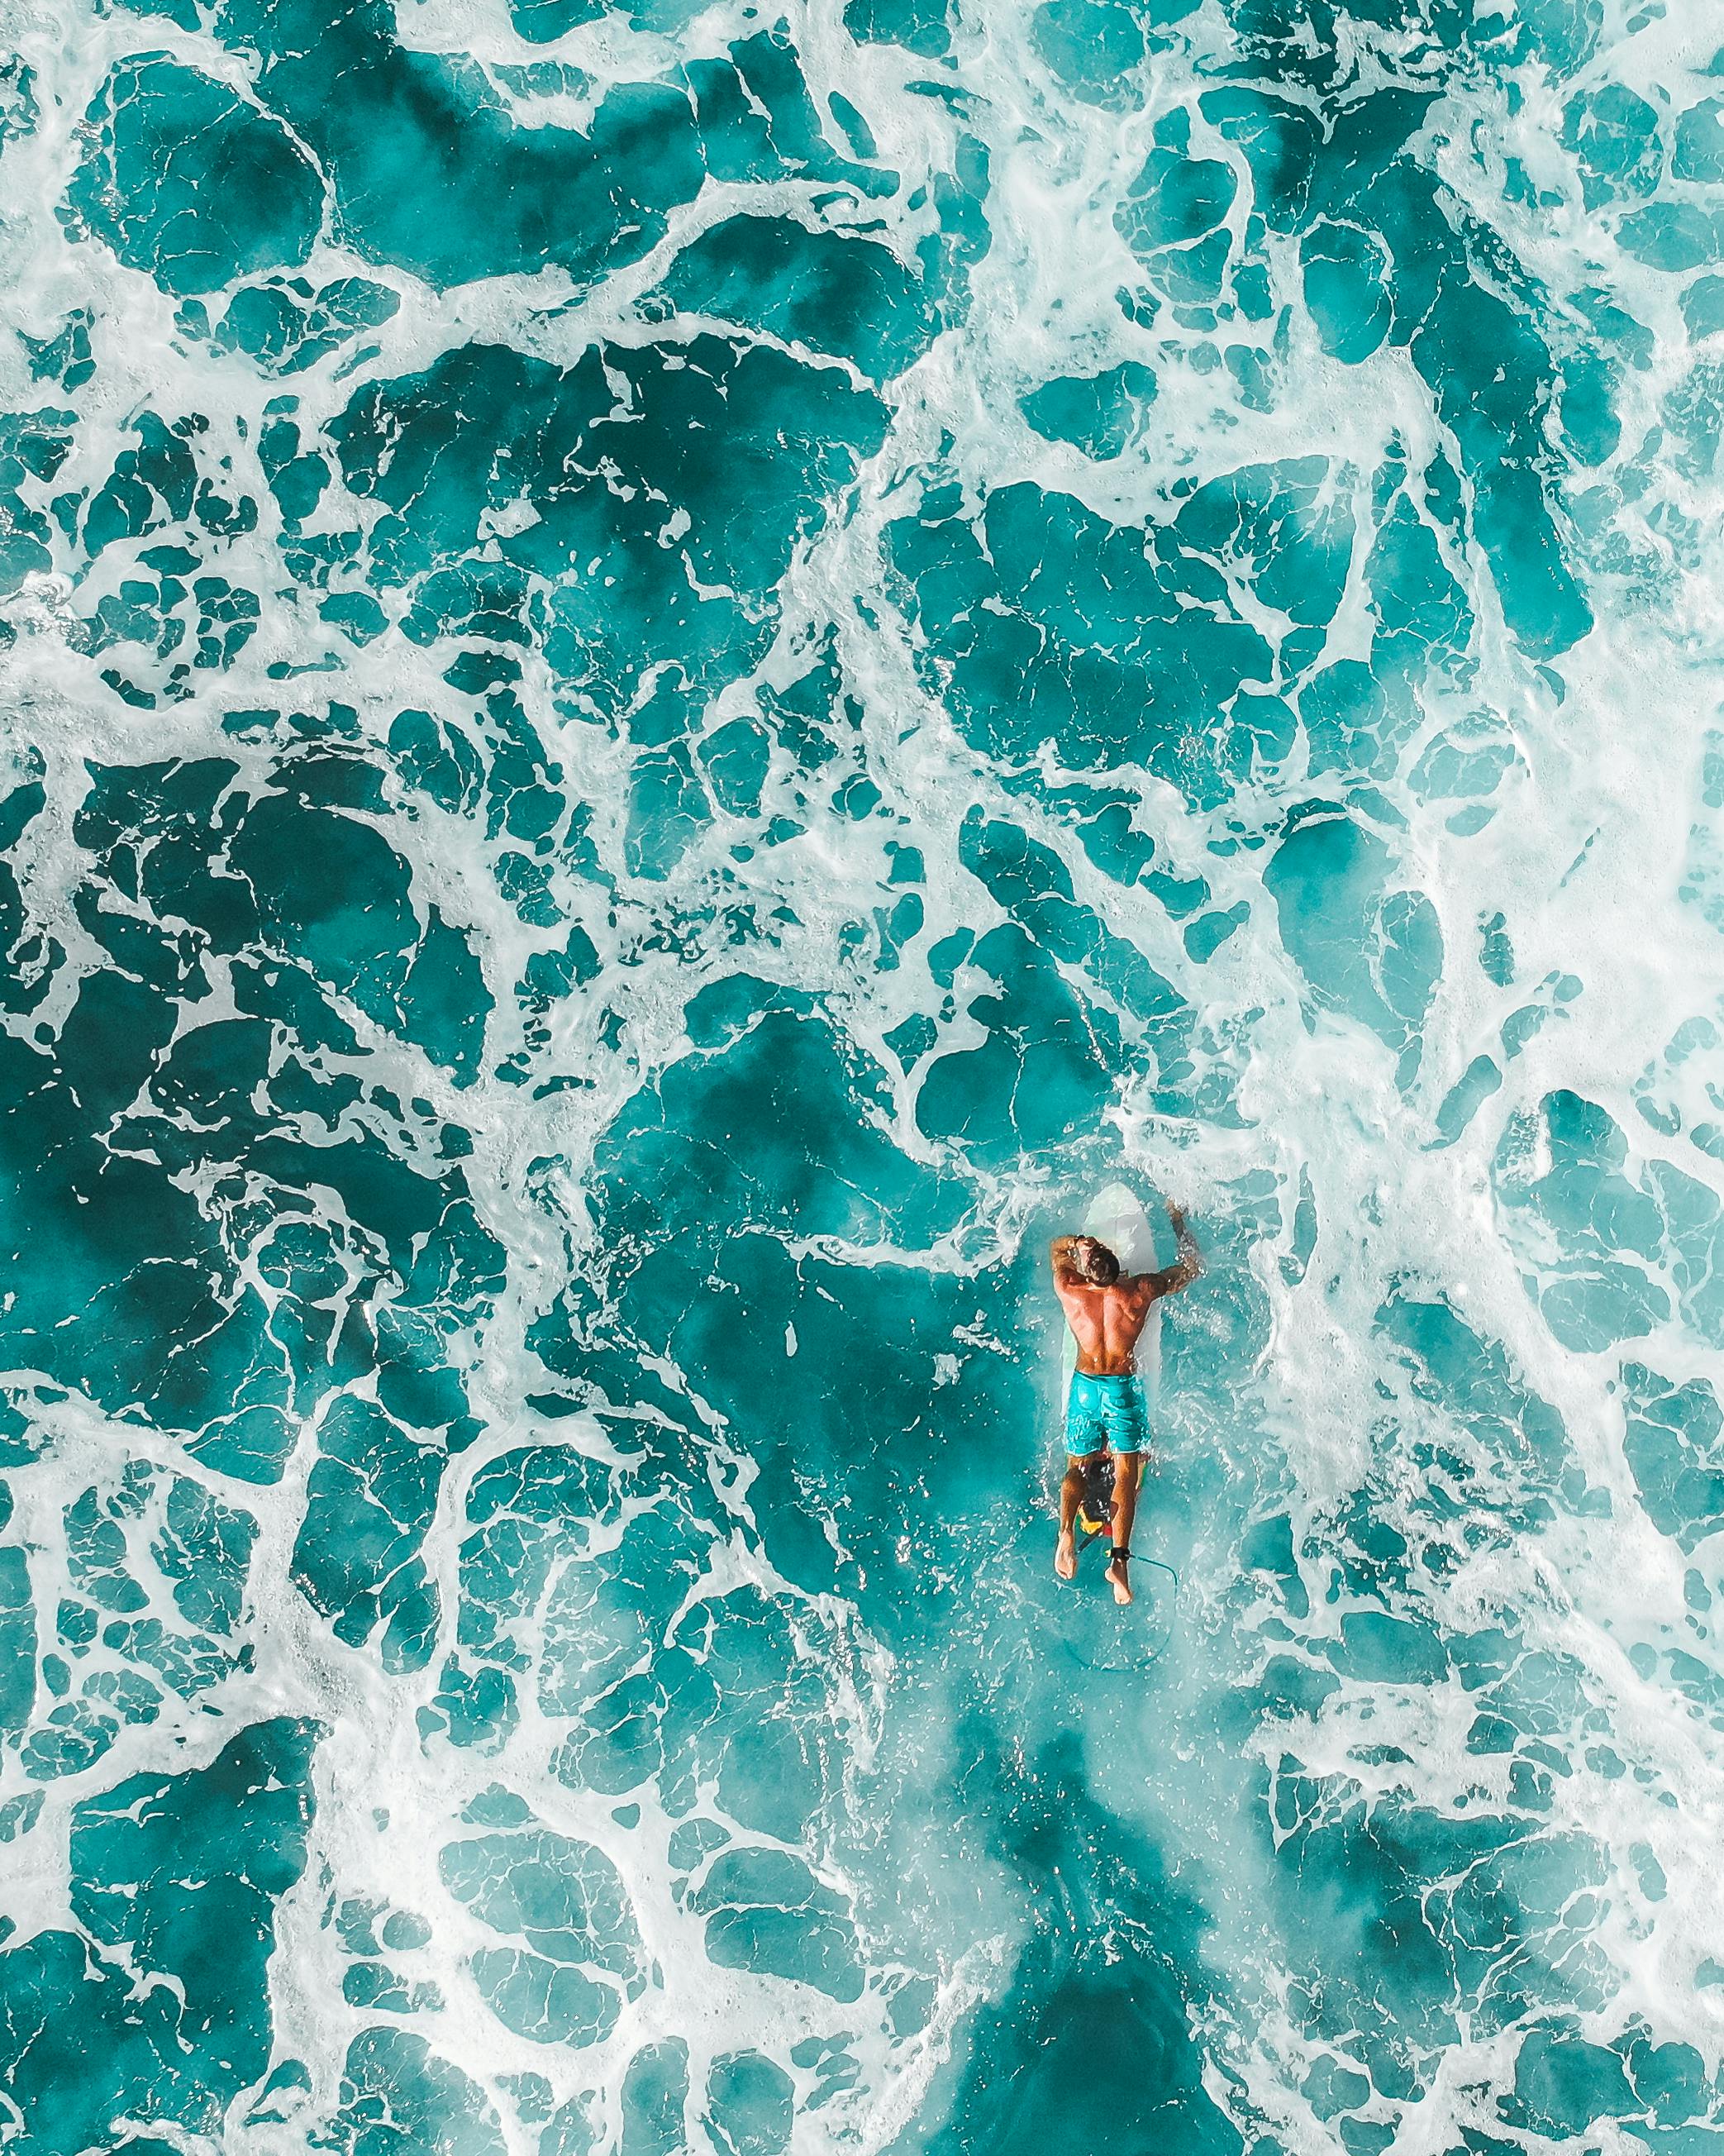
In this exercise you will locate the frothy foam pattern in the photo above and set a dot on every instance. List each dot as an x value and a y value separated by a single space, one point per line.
670 677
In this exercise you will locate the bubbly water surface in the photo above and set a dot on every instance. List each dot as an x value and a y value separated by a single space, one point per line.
671 676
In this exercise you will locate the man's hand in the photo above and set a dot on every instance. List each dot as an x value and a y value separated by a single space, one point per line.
1190 1261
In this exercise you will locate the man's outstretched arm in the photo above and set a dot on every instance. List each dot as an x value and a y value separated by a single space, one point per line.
1190 1261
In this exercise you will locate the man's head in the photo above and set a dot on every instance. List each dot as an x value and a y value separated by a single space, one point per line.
1095 1261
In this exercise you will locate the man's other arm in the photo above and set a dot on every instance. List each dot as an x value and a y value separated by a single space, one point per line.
1190 1261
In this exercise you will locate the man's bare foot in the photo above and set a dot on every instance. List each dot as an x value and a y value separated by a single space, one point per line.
1117 1580
1065 1555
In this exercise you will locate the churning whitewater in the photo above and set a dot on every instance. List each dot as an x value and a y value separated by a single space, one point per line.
671 676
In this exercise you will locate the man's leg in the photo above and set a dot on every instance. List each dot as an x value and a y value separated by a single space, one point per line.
1071 1496
1127 1474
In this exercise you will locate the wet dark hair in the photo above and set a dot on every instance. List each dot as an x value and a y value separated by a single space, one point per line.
1100 1266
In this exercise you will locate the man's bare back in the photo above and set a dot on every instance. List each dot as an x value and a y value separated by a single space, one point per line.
1105 1322
1106 1310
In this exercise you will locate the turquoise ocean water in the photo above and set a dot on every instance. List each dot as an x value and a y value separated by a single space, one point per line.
669 675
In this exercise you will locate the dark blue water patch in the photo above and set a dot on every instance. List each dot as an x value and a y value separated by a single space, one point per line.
19 108
33 447
1047 1068
190 181
758 122
565 1902
555 196
843 294
1616 136
1672 1446
1672 236
750 2105
1097 414
1035 887
754 1128
1375 235
159 483
1421 611
1496 423
1372 953
766 1913
65 357
97 1119
17 1634
922 26
399 185
1345 272
287 324
1089 640
394 2075
1077 2047
1698 151
1174 199
543 22
180 1875
718 436
1606 1228
368 1502
1095 46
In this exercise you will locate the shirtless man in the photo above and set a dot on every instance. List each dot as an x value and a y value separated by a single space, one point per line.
1106 1411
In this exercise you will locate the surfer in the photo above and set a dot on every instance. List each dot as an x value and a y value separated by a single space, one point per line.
1107 1412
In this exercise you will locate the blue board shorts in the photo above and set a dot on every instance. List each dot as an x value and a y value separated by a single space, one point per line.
1109 1412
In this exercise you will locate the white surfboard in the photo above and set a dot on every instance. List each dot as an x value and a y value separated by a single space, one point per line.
1117 1217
